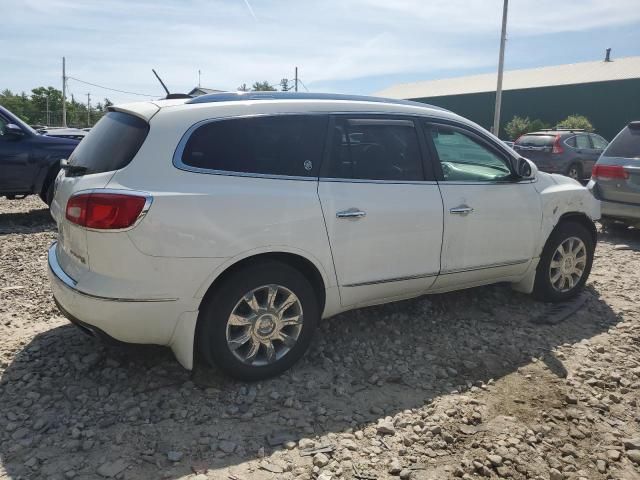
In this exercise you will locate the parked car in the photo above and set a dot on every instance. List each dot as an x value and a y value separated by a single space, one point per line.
615 179
569 152
228 225
62 132
508 143
29 162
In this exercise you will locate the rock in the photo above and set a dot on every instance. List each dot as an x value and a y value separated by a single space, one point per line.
496 460
174 456
631 443
555 474
320 460
613 455
601 465
306 443
634 456
405 474
111 469
395 467
325 475
385 427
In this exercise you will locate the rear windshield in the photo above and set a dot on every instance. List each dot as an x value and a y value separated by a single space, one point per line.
536 140
626 144
111 144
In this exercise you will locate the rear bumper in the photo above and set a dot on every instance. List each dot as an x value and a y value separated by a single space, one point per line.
619 210
147 321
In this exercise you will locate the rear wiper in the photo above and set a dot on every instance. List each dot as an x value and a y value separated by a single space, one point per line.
72 170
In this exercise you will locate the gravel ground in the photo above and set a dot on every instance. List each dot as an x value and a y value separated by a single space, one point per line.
462 385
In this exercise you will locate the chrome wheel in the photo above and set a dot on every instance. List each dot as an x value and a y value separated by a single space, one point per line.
568 264
264 325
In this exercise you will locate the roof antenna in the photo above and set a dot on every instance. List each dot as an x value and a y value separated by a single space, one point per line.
169 95
161 82
607 57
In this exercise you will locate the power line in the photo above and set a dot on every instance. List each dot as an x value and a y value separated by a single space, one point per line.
112 89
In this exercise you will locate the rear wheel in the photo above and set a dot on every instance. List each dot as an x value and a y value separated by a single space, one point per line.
575 171
565 263
259 322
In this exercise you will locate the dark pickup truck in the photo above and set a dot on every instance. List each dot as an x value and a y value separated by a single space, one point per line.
29 162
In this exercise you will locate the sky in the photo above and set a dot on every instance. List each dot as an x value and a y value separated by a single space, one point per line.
345 46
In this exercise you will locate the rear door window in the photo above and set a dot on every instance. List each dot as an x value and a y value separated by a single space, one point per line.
375 149
582 142
626 144
290 145
111 144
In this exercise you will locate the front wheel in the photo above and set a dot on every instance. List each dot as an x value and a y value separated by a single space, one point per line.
259 322
565 263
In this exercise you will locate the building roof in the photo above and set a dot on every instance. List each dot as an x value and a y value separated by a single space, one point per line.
575 73
197 91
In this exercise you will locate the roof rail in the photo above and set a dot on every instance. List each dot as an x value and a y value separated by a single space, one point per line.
243 96
562 129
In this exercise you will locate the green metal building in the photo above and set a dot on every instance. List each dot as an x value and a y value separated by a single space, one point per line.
606 92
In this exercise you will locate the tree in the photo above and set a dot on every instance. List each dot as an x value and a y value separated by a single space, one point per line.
262 87
576 121
517 126
284 85
537 124
243 88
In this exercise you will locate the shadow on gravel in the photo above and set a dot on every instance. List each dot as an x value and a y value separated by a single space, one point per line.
70 404
33 221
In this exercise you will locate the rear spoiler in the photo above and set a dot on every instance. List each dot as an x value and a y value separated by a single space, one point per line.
143 110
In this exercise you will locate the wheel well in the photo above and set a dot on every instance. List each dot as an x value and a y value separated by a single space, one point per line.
298 262
583 220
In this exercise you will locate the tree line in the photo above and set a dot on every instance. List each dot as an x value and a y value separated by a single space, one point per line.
520 125
43 106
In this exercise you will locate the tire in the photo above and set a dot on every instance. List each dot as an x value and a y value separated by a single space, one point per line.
256 323
549 291
47 193
575 171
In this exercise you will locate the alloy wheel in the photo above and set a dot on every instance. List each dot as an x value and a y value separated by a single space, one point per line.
568 264
264 325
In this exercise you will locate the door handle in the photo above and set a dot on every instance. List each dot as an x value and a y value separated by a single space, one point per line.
461 210
351 213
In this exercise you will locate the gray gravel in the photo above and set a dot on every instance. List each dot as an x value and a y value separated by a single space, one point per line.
461 385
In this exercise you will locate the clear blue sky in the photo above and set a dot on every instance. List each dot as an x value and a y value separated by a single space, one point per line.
352 46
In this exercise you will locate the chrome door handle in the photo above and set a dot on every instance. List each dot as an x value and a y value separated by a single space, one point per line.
461 210
351 213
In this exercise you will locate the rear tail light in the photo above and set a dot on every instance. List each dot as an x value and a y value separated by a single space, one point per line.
609 172
557 146
105 211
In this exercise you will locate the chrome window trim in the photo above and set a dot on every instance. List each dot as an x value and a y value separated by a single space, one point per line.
484 267
390 280
180 165
70 283
362 180
143 213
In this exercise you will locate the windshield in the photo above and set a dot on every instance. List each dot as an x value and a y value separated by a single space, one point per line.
626 144
16 120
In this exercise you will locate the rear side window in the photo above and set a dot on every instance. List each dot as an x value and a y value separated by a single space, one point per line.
375 149
111 144
289 145
536 140
626 144
582 141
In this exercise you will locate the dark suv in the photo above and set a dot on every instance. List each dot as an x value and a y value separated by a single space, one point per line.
29 162
568 152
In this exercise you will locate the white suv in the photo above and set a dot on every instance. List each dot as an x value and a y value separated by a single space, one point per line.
228 225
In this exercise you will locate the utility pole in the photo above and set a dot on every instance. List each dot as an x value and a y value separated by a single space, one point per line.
48 117
503 38
198 78
296 88
64 94
88 109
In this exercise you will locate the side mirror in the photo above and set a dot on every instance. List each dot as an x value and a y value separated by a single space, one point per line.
523 168
13 130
